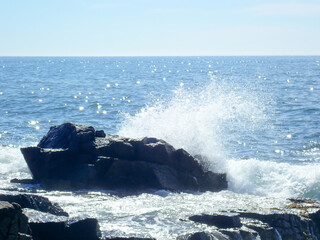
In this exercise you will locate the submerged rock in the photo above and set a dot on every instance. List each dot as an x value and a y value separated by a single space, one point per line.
76 156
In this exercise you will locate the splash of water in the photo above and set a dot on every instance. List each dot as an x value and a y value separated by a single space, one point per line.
203 121
211 121
276 179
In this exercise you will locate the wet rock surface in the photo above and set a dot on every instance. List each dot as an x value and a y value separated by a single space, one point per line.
218 220
279 224
34 202
129 238
13 223
85 229
73 156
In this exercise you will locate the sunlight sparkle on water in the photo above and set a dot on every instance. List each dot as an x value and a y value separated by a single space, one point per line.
81 108
33 122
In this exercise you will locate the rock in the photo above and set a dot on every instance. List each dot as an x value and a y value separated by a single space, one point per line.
86 229
67 135
73 156
100 133
218 220
34 202
214 182
204 236
129 238
239 234
315 217
23 181
13 223
251 225
49 163
285 225
123 174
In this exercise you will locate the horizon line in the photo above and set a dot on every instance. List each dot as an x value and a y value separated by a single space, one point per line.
235 55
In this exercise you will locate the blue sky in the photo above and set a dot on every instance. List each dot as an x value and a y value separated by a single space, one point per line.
159 28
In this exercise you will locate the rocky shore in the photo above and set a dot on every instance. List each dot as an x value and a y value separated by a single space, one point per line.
299 220
73 157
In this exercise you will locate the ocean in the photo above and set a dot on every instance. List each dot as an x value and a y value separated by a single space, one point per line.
255 118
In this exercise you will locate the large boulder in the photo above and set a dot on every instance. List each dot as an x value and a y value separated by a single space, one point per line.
13 223
76 156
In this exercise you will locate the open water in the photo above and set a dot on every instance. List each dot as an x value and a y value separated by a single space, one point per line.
255 118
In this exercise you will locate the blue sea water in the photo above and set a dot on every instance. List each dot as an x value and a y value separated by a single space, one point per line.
255 118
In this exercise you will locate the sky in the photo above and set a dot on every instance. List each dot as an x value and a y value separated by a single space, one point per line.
159 28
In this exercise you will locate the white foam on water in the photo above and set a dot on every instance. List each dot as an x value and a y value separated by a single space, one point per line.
198 120
11 160
205 121
12 165
276 179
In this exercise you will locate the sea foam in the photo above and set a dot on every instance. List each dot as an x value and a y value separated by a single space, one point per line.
214 119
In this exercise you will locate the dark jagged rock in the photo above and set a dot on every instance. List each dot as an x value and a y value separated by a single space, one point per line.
76 156
129 238
218 220
13 223
288 226
315 217
203 236
67 135
249 225
34 202
213 181
86 229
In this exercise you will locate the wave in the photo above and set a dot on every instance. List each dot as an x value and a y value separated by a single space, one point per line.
212 121
202 121
12 165
276 179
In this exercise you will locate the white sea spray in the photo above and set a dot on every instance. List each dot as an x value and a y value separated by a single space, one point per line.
202 121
